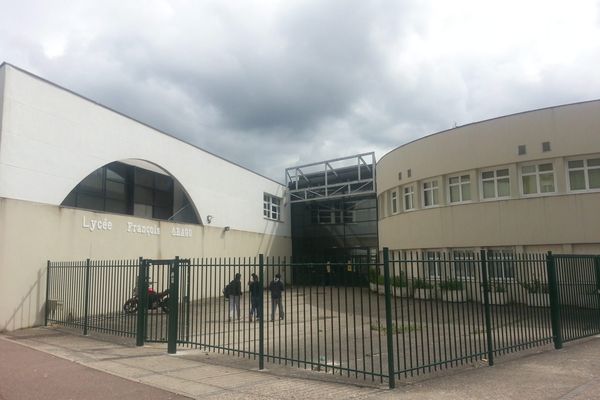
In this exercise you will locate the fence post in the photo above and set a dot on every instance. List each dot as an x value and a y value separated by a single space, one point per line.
261 319
554 301
188 277
142 295
87 297
488 311
597 273
46 306
388 318
173 306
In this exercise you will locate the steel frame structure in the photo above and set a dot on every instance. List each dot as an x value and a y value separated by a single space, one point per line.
331 188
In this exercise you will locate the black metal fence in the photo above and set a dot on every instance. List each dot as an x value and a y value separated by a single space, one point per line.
401 316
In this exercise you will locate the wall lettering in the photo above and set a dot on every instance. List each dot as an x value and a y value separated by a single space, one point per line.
143 229
97 224
181 232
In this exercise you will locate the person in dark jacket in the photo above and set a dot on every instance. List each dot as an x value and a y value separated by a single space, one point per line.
276 287
255 300
235 292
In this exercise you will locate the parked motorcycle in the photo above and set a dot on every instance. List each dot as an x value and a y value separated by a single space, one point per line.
156 300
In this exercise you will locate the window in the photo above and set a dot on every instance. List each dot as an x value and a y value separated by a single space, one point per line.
271 207
394 201
584 174
430 193
464 263
459 188
433 264
522 149
546 146
537 178
495 184
152 195
501 263
332 214
409 197
125 189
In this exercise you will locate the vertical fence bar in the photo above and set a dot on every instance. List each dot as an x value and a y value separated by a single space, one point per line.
188 310
554 301
388 318
142 293
488 316
173 306
87 297
261 313
46 305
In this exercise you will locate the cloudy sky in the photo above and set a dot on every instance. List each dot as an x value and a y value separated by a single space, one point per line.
272 84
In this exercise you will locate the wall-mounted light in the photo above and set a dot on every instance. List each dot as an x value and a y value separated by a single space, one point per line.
226 229
209 219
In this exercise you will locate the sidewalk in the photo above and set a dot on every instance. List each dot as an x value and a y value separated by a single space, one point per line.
572 373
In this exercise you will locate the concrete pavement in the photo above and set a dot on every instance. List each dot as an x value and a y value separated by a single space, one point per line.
572 373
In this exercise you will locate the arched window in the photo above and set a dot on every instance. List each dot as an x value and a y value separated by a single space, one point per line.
128 189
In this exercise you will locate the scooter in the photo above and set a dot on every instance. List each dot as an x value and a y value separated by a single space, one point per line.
156 300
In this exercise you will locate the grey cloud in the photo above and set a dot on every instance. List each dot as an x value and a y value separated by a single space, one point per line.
272 87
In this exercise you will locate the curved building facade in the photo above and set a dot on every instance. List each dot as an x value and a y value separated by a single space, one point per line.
528 182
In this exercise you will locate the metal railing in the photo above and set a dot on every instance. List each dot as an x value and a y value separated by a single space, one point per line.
90 295
369 319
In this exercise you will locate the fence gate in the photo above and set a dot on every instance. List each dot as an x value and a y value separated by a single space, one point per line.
158 298
578 287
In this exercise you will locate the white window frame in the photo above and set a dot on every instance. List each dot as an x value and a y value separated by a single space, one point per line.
394 202
585 170
504 253
537 174
467 256
495 180
433 258
435 187
271 208
459 185
410 194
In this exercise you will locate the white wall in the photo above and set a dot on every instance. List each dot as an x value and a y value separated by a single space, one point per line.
1 102
53 138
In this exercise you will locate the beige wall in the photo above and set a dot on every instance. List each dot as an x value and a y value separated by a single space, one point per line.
571 129
563 221
32 233
567 219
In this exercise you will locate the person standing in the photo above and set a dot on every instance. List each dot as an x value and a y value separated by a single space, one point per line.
235 292
255 300
276 287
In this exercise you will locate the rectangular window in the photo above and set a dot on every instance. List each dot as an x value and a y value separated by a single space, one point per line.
409 197
430 193
584 174
537 178
433 264
271 207
464 263
394 201
495 184
501 263
459 188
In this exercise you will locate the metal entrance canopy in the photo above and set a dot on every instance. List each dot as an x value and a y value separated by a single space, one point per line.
339 177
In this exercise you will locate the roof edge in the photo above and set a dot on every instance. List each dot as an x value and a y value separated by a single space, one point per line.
5 63
487 120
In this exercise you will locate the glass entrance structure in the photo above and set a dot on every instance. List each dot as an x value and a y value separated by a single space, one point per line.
334 216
